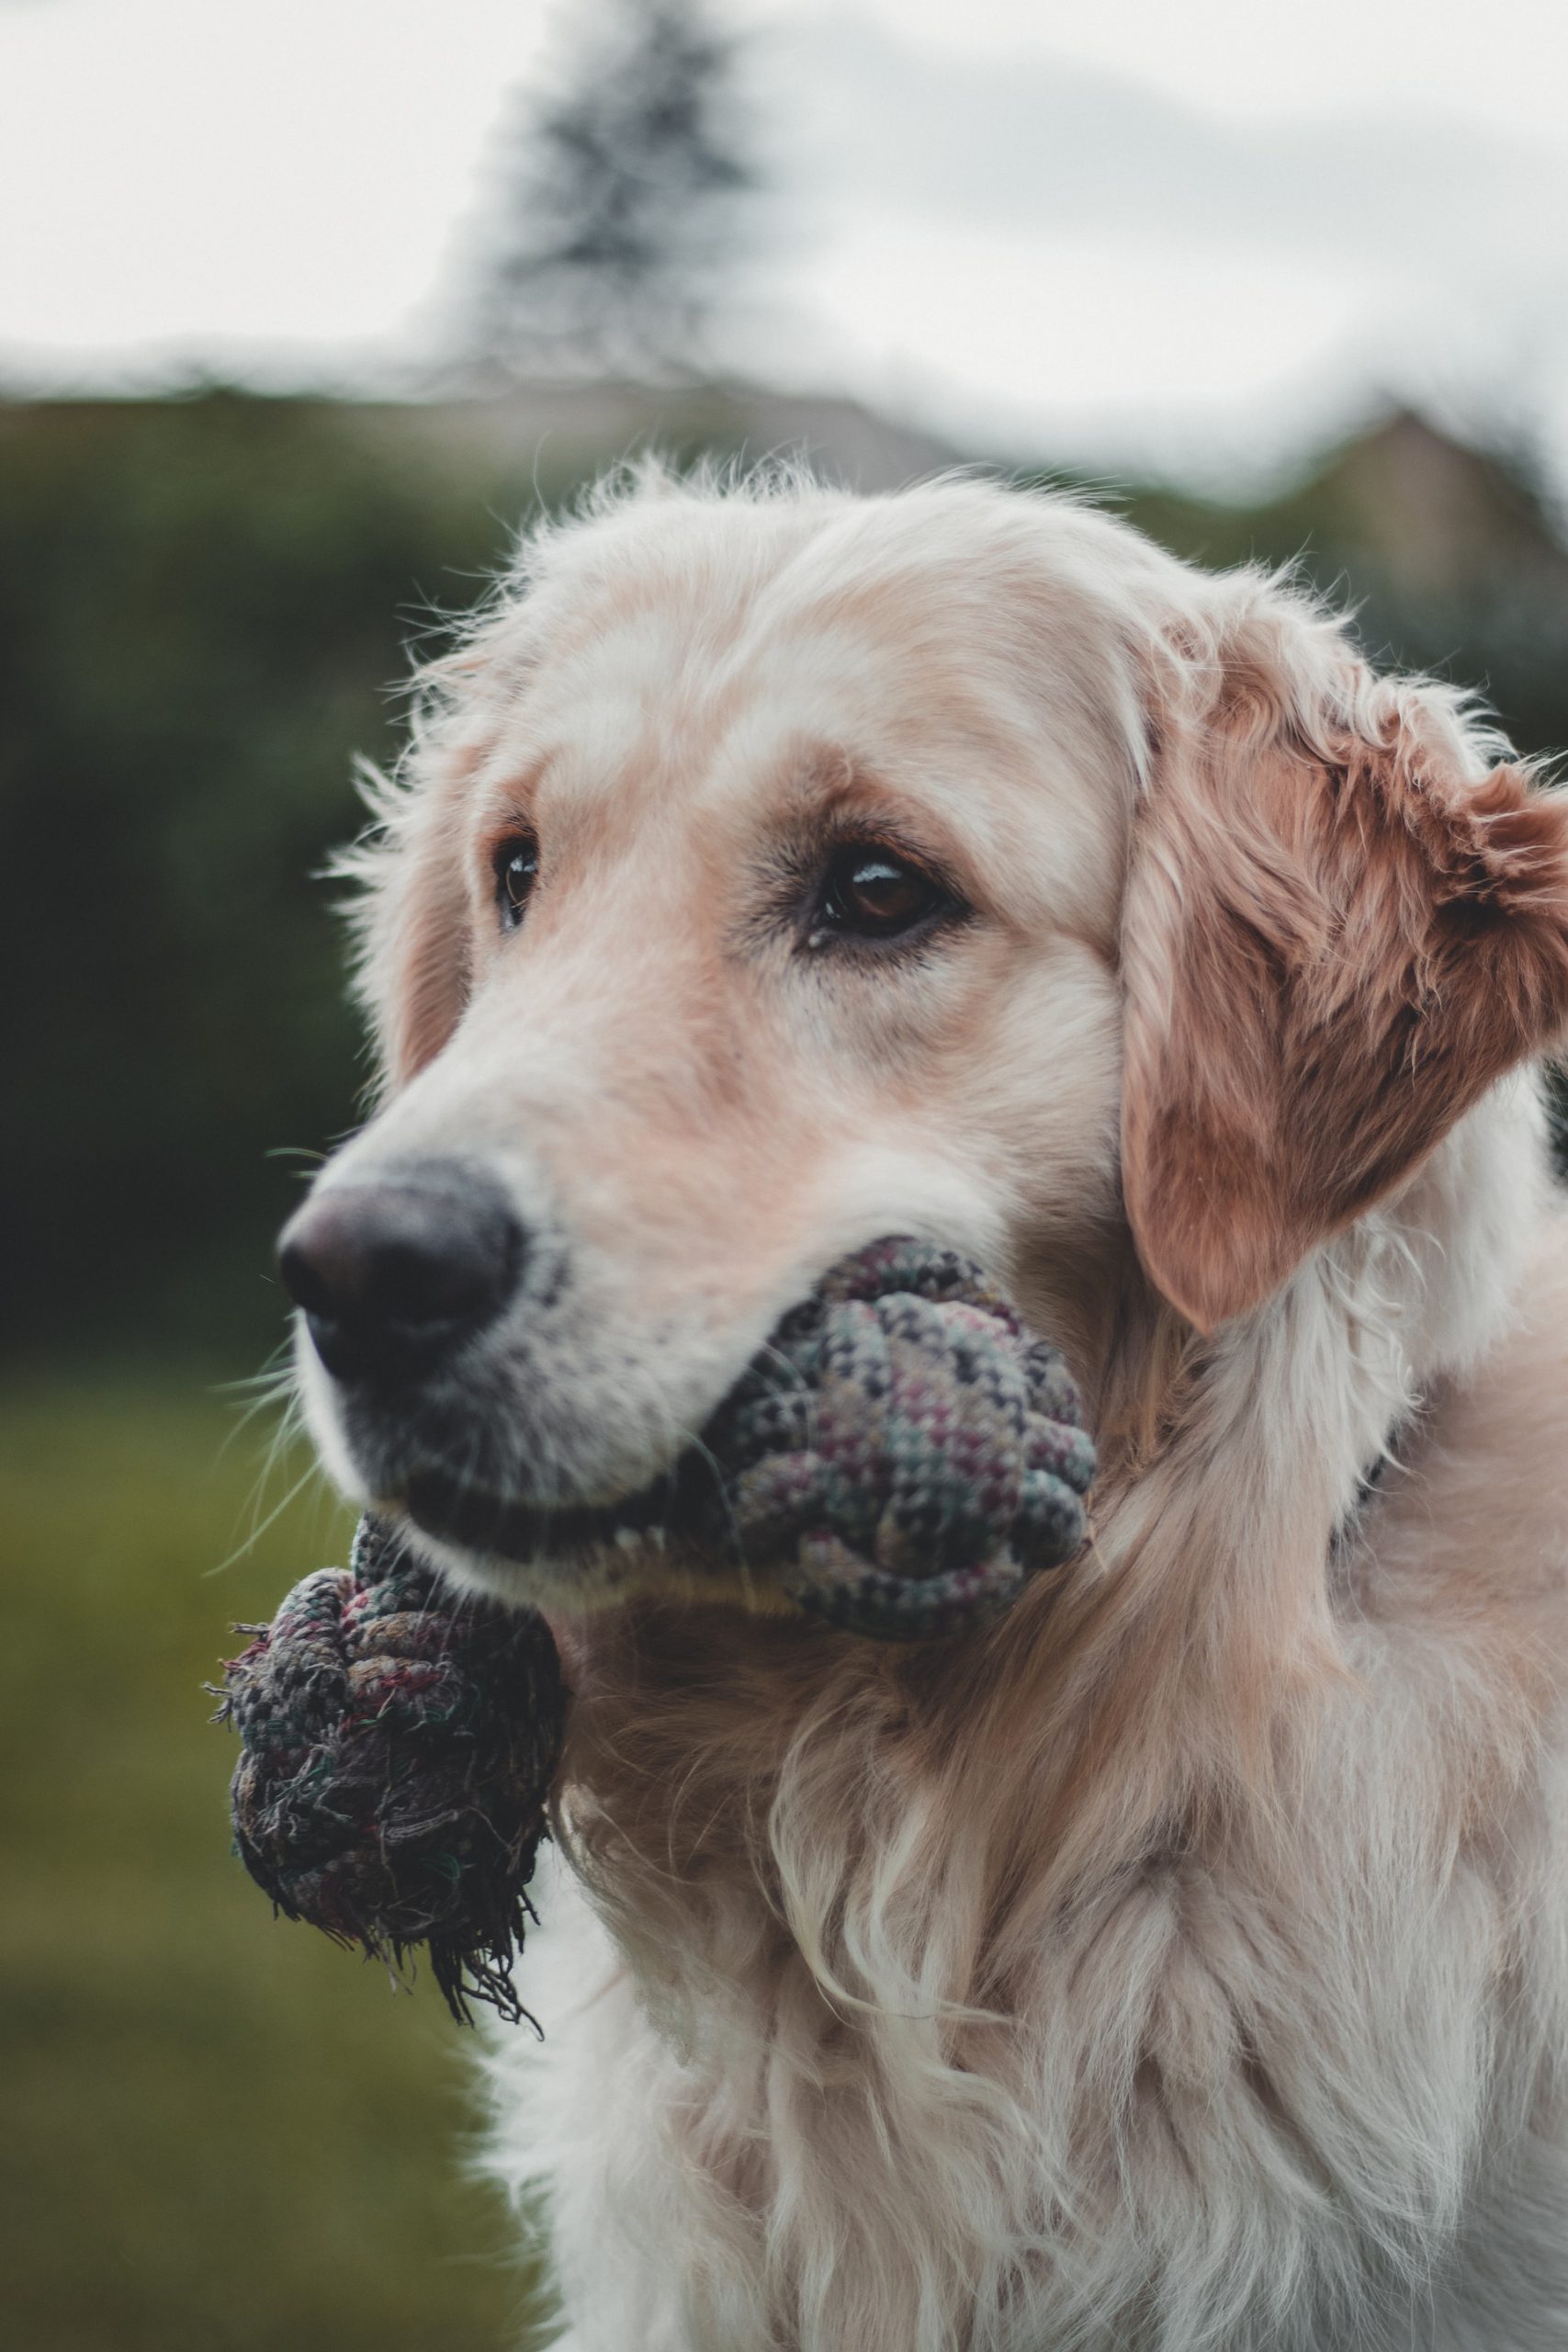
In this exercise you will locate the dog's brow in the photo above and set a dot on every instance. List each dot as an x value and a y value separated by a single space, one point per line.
830 789
510 786
831 792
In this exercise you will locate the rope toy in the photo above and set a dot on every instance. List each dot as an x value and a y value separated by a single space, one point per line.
904 1454
397 1742
897 1462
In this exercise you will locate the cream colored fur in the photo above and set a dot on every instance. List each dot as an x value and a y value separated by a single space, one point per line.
1183 1964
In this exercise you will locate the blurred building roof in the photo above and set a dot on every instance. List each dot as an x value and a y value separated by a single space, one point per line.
1440 517
570 428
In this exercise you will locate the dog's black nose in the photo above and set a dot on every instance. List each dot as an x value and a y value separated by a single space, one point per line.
392 1273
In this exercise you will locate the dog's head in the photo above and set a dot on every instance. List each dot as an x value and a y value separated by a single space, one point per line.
772 871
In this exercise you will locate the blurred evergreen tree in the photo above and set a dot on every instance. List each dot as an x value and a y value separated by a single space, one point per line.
618 220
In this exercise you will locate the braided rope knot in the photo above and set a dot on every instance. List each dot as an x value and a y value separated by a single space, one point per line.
397 1747
906 1447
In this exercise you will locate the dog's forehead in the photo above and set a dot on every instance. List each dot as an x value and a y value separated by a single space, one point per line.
709 658
682 649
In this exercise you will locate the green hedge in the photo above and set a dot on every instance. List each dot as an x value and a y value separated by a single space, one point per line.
203 606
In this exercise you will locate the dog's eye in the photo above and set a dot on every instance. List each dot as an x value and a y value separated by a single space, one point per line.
516 871
870 893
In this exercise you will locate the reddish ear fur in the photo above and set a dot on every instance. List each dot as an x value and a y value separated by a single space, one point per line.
1329 955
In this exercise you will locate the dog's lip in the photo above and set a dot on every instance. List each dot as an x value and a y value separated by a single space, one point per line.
524 1529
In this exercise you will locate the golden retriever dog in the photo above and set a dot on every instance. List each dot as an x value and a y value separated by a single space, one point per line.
1181 1961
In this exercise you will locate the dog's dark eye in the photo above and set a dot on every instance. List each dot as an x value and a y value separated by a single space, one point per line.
869 893
516 871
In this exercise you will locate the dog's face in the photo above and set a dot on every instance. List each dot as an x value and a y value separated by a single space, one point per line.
775 888
758 892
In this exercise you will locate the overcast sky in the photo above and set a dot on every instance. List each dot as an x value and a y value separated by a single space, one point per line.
1123 231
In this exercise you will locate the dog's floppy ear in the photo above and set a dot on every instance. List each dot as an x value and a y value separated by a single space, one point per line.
1336 936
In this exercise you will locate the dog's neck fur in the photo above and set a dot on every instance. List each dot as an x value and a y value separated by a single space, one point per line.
1267 1431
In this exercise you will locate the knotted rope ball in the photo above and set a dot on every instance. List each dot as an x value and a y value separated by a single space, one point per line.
397 1742
904 1454
899 1461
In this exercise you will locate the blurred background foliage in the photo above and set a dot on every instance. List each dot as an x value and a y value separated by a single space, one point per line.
217 2134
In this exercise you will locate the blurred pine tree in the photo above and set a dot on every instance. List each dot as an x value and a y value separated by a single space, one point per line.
618 205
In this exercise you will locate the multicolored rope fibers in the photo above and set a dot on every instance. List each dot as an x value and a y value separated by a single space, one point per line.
904 1454
399 1742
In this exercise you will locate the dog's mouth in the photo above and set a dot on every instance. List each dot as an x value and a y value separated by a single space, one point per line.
484 1507
898 1460
486 1466
686 1506
456 1511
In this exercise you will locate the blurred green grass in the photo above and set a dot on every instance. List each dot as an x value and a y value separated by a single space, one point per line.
217 2133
